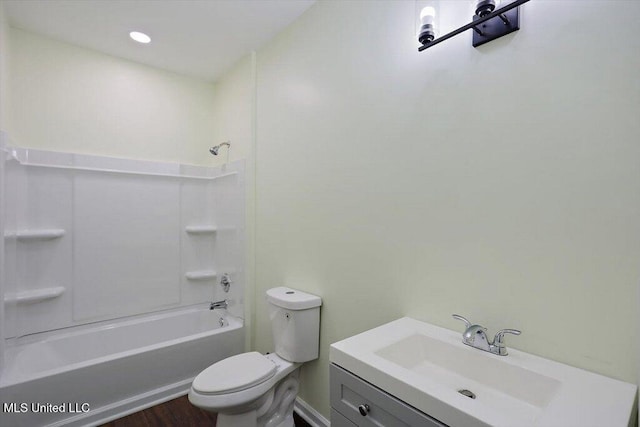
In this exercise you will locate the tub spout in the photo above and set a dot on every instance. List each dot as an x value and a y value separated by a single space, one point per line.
219 304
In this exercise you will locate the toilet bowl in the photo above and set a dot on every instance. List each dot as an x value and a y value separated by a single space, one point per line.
249 384
255 390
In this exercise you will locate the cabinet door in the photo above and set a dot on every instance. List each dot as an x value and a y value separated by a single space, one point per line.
368 406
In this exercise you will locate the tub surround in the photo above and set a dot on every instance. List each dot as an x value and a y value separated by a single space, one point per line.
92 238
111 266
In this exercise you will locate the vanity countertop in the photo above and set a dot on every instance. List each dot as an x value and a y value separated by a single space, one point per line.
428 366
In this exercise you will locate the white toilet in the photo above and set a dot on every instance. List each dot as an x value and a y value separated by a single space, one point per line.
255 390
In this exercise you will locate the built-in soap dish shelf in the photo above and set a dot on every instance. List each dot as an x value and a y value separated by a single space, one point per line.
34 296
35 234
201 275
201 229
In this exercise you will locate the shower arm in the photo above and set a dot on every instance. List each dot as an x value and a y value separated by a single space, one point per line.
228 144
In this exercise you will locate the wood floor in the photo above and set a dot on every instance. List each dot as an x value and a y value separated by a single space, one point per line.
176 412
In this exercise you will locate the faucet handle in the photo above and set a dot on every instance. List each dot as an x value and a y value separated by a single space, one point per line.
498 340
500 334
467 324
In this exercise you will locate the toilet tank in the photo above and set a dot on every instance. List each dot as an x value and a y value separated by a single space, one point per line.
295 323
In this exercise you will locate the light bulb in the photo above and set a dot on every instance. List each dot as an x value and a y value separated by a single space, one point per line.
427 15
427 29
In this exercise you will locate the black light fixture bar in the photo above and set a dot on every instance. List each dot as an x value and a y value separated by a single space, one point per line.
498 12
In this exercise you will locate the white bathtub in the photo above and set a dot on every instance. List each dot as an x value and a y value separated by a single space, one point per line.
96 373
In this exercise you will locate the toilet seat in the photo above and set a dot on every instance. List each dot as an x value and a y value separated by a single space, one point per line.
234 374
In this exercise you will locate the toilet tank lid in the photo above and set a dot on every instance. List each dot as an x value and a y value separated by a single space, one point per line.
292 299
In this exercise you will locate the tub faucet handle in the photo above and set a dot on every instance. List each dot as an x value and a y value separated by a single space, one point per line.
225 282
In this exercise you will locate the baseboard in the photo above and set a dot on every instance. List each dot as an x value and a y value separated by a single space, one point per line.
309 414
127 406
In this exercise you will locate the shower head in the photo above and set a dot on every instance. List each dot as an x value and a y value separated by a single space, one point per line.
214 150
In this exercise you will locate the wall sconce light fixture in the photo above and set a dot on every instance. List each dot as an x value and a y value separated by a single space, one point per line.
489 23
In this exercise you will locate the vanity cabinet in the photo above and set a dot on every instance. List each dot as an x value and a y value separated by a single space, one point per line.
355 402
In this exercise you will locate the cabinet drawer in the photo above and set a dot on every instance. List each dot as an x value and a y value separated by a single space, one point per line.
368 406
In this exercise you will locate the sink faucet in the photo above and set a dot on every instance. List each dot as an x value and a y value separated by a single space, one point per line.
219 304
476 336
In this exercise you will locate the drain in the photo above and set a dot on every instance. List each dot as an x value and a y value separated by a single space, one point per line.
467 393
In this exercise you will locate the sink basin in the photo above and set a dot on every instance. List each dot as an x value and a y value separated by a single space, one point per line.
510 390
430 368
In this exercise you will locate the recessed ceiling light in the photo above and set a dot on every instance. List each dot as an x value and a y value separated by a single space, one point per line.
139 37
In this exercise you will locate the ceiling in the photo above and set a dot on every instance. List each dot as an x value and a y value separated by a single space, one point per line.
197 38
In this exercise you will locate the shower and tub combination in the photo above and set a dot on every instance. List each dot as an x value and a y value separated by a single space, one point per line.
110 267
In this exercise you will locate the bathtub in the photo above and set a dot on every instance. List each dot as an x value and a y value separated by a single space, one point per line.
95 373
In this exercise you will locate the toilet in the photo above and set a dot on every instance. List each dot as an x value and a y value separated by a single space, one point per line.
256 390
